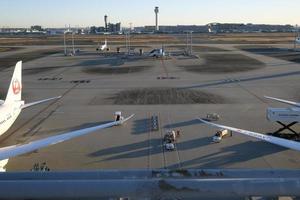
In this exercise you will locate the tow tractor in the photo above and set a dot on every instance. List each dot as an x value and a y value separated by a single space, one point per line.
212 117
170 139
220 134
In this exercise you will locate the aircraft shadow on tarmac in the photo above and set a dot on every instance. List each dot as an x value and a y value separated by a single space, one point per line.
154 146
146 147
137 149
226 156
110 61
141 126
184 123
106 61
229 155
37 70
49 132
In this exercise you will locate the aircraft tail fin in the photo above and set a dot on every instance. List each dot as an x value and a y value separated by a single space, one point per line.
15 88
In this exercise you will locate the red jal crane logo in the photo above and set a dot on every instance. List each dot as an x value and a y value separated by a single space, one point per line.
16 86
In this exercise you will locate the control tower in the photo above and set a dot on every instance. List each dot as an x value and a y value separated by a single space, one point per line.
105 22
156 19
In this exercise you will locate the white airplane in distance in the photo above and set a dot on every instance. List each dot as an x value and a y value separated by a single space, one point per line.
103 47
15 150
11 107
270 139
158 53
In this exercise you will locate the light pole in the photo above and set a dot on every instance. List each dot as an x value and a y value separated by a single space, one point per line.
189 42
73 43
65 47
296 35
191 47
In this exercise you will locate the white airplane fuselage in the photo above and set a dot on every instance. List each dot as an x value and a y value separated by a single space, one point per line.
8 115
103 47
157 53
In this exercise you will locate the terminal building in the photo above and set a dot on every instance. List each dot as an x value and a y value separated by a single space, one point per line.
114 28
217 28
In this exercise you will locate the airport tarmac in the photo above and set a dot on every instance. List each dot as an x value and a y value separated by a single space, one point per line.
91 82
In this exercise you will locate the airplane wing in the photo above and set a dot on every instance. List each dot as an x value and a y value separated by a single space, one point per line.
15 150
284 101
38 102
270 139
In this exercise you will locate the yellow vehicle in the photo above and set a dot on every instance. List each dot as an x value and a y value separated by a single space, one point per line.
220 134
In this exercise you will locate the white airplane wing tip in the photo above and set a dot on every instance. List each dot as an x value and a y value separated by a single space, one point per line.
126 119
268 97
39 102
284 101
202 120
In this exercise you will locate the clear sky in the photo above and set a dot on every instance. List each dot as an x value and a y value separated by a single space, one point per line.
83 13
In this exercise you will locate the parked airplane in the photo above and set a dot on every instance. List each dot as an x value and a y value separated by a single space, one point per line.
157 53
103 47
270 139
15 150
11 107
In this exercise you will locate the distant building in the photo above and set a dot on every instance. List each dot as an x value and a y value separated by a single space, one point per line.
217 28
114 28
97 30
183 29
248 28
36 28
149 29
